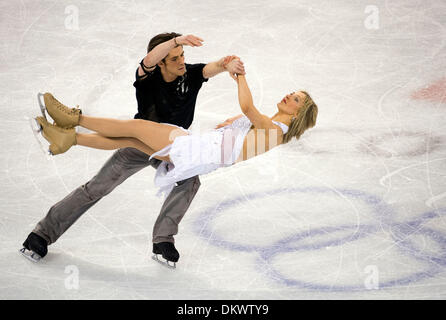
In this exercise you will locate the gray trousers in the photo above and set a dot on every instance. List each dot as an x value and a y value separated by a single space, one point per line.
122 164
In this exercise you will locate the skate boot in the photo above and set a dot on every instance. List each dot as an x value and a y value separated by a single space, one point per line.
34 247
63 116
60 139
168 252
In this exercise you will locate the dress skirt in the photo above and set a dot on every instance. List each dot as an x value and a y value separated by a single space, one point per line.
190 155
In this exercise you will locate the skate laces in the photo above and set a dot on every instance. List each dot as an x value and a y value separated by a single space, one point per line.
64 108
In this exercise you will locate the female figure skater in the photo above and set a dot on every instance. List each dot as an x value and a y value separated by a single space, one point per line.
185 155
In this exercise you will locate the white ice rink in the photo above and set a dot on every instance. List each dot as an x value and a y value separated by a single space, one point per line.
356 209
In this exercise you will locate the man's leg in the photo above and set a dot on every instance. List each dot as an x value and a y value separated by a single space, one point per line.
173 210
123 163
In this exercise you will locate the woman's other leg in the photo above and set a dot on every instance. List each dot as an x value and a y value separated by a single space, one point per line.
97 141
154 135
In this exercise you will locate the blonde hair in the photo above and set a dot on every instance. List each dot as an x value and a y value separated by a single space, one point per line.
304 120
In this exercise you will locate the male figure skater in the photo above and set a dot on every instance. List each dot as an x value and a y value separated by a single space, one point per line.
166 91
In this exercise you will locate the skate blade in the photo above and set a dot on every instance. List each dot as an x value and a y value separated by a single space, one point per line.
37 130
30 255
41 102
164 262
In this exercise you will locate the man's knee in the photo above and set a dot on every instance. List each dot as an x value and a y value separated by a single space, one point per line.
186 190
95 190
111 175
122 164
190 181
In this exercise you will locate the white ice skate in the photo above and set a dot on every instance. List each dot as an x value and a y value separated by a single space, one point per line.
37 128
42 143
30 255
42 105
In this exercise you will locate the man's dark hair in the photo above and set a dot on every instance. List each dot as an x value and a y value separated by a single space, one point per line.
160 38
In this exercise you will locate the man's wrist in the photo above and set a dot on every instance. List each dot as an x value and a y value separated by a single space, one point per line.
224 64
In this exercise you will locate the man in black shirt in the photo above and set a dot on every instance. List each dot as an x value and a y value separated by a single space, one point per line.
166 91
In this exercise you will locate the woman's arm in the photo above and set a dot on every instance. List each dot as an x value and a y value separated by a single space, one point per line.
260 121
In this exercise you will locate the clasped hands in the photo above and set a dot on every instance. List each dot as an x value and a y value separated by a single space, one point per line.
234 66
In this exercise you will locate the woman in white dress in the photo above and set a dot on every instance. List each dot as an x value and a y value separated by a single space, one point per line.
184 154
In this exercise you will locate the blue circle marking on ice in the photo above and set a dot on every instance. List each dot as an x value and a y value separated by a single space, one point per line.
400 234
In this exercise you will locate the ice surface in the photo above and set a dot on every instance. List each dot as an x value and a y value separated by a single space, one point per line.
355 209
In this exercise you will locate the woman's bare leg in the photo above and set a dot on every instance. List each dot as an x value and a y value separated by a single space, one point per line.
97 141
154 135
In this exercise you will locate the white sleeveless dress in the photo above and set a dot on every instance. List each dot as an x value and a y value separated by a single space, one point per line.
195 154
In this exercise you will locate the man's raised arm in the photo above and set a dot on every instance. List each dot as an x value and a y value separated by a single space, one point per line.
162 50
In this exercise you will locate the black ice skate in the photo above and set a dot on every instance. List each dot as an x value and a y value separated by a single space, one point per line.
34 247
168 252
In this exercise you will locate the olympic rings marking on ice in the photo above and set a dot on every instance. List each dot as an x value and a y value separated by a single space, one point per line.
400 233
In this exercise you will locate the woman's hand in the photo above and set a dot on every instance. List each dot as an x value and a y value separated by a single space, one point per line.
228 59
228 121
223 124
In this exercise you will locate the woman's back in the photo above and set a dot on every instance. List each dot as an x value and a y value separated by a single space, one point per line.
258 141
242 141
